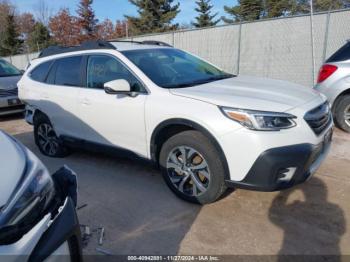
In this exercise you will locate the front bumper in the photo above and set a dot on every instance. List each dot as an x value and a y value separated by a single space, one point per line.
64 228
284 167
47 236
10 105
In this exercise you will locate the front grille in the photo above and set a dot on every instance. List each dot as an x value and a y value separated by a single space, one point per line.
11 108
8 92
319 118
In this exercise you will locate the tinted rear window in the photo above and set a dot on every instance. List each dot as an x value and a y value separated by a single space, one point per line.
68 71
40 72
341 55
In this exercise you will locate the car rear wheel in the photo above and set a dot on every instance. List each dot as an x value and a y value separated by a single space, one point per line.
192 168
342 113
46 139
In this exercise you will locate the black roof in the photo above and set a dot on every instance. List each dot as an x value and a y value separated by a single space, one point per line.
89 45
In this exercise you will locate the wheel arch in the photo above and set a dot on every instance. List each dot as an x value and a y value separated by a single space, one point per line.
336 101
171 127
37 113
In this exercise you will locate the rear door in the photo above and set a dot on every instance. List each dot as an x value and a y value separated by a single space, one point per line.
108 119
60 99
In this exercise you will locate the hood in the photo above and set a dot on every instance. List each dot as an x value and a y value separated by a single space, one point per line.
12 166
251 93
9 82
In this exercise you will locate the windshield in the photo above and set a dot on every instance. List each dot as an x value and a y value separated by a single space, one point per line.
6 69
173 68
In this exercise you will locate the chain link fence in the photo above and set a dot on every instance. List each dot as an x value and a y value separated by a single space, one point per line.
275 48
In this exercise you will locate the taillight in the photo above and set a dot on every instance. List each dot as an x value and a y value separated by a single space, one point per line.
325 72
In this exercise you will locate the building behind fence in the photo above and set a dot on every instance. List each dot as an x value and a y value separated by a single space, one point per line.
276 48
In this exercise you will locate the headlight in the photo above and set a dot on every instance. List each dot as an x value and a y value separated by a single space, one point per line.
32 196
260 120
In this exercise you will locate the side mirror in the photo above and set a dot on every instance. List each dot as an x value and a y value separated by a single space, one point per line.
119 86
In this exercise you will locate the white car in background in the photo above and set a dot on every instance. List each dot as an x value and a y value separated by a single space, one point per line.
207 129
334 82
37 212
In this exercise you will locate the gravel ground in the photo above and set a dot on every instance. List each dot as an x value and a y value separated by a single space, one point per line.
141 216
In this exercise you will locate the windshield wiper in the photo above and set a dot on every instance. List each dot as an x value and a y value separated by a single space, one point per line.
201 81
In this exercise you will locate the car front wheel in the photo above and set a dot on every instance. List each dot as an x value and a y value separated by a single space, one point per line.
46 139
192 168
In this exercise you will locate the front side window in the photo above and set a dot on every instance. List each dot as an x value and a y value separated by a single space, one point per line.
173 68
102 69
6 69
67 71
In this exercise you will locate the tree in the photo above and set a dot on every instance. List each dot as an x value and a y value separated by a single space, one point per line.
86 20
5 9
105 30
26 23
276 8
11 44
42 12
205 17
250 10
39 38
120 29
245 10
327 5
154 16
64 28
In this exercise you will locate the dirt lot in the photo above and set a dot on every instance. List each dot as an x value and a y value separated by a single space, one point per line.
141 216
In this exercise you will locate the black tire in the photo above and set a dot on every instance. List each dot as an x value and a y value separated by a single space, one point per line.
215 186
342 107
54 147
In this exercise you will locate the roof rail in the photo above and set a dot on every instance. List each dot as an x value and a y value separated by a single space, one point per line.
153 42
124 41
87 45
146 42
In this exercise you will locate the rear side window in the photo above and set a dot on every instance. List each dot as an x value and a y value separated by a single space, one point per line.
341 55
40 72
67 71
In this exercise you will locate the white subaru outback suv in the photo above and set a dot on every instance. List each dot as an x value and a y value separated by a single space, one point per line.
207 129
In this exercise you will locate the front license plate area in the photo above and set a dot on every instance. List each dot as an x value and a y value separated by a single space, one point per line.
14 102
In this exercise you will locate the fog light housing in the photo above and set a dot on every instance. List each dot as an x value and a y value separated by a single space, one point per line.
286 174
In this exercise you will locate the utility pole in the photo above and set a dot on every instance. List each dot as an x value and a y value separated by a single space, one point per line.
312 40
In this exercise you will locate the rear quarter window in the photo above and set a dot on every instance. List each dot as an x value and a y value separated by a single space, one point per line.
40 72
342 54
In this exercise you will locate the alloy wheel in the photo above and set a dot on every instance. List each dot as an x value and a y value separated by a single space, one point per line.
47 139
347 115
188 171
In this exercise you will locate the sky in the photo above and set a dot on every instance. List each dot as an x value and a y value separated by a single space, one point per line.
116 9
